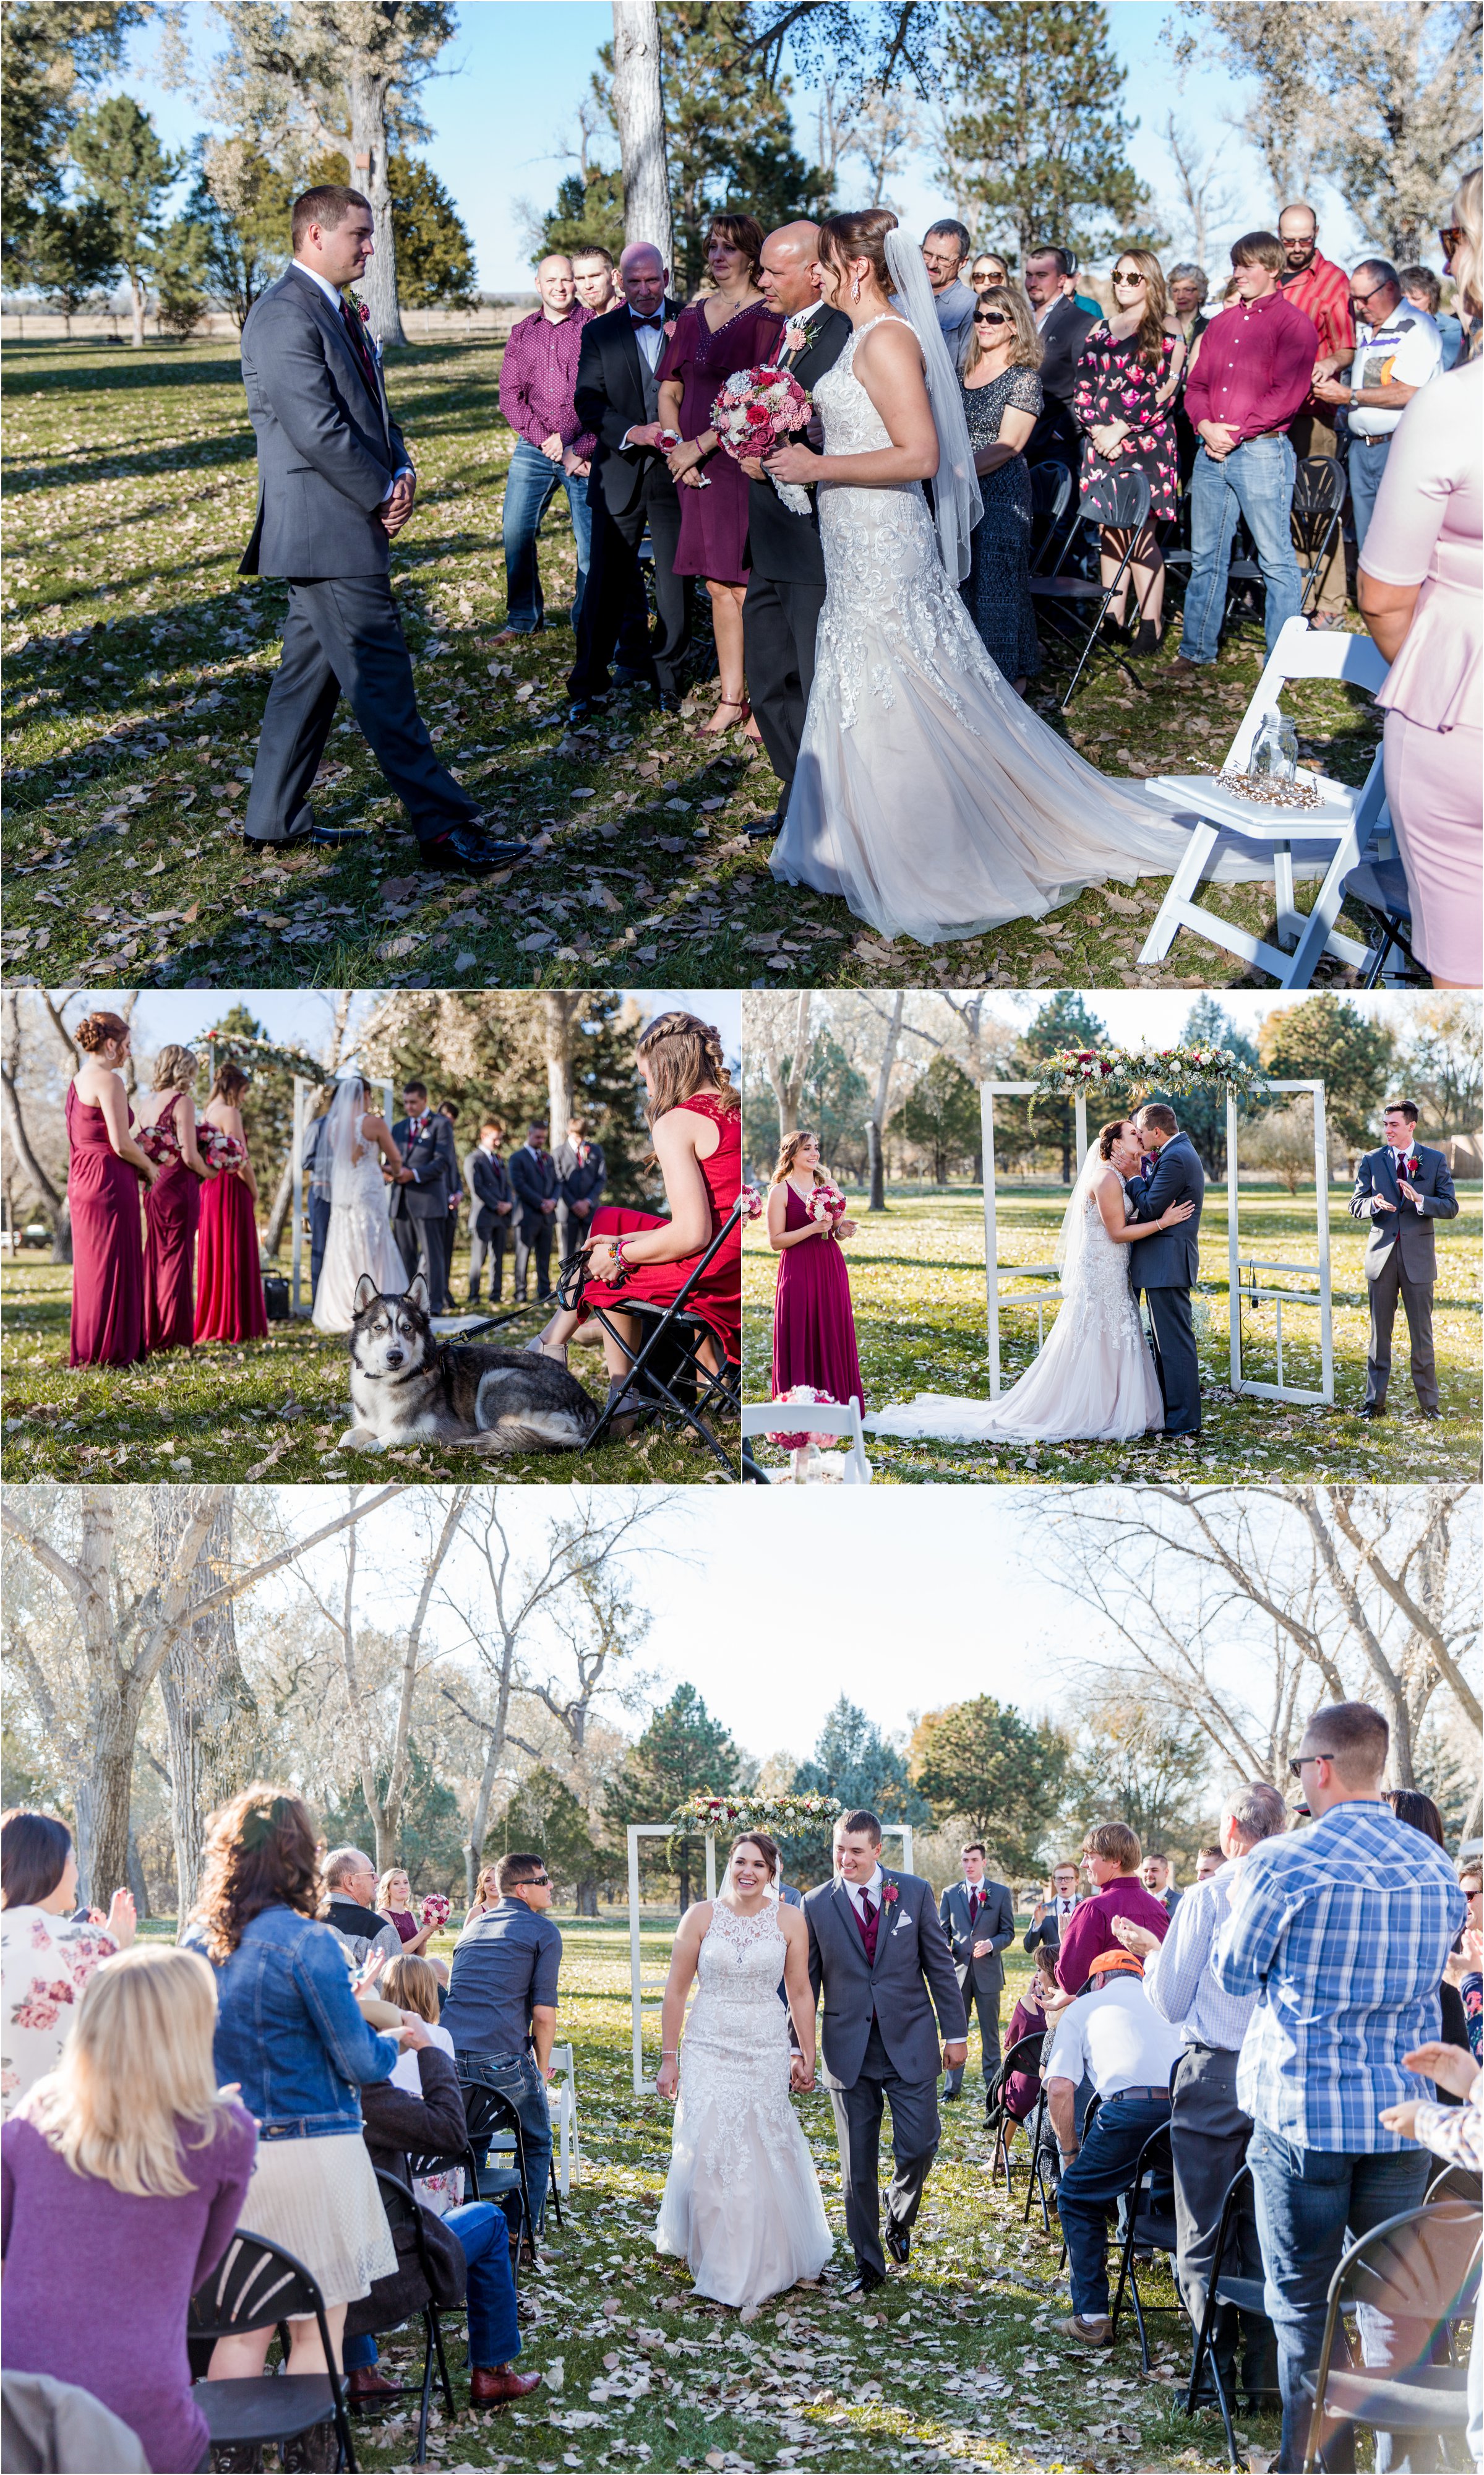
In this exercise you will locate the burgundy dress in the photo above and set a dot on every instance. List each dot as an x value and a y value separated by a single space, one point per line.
814 1323
107 1253
717 1298
229 1304
714 522
1022 2088
172 1208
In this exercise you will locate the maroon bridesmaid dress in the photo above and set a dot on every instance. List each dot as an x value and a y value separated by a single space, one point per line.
107 1253
814 1322
172 1208
229 1303
714 522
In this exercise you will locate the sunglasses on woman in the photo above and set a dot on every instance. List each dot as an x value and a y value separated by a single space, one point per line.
990 318
1127 283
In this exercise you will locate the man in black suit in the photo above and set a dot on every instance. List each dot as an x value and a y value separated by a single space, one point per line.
1402 1190
334 485
1049 1915
426 1197
315 1167
979 1919
1063 330
533 1179
1167 1262
582 1175
786 585
491 1205
616 400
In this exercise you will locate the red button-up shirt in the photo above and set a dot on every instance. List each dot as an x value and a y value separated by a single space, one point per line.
1323 292
1254 366
537 377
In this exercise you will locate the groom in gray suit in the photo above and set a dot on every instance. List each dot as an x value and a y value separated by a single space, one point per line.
1166 1264
879 1951
335 484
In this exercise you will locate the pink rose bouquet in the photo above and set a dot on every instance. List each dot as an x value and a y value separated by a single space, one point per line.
752 1203
434 1910
826 1203
217 1149
803 1392
755 411
161 1143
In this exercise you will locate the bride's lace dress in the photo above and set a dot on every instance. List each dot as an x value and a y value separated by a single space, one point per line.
741 2202
360 1241
928 794
1095 1379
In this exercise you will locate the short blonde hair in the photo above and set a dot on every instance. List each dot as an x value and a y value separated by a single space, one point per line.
175 1068
412 1984
136 2073
1027 351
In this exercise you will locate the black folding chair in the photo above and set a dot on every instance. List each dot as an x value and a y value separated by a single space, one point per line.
1123 505
1228 2290
257 2284
1053 515
1422 2266
667 1378
1317 517
1043 2147
1022 2056
1147 2227
403 2211
1377 887
496 2130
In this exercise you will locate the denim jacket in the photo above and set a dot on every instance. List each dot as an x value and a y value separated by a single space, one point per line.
288 2029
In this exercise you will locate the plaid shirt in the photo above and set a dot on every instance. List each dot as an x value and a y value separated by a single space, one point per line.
1344 1931
538 375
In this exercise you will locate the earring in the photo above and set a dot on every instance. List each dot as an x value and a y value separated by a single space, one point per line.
855 289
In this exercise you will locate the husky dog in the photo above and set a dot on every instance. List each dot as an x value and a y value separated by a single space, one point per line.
406 1385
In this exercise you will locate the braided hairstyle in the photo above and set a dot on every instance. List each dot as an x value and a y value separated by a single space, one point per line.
685 1056
98 1031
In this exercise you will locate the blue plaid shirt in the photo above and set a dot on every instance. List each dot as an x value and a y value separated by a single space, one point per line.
1343 1932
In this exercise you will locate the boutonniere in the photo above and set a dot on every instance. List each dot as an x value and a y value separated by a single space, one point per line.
889 1895
793 338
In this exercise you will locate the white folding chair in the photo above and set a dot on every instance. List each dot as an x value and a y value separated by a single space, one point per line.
1348 818
563 2095
812 1418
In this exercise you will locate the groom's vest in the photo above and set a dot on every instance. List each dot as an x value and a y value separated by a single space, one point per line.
866 1932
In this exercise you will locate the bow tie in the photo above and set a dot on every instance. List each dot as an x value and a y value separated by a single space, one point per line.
657 319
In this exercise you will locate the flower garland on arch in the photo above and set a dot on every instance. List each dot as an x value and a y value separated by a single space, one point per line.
263 1052
1179 1068
782 1817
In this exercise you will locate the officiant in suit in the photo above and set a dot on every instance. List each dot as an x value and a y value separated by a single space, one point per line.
785 559
427 1196
616 400
1402 1190
979 1918
490 1210
336 485
1166 1264
534 1181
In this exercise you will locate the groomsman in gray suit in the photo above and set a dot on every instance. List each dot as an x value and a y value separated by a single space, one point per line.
426 1197
979 1918
336 485
1402 1190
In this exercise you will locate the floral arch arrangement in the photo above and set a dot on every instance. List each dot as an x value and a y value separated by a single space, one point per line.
247 1049
1176 1069
782 1817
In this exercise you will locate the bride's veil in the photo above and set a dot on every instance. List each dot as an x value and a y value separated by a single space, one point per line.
1072 1242
957 501
343 1141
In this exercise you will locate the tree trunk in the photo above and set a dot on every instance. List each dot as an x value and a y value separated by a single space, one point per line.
55 1202
560 1015
639 110
284 1195
136 1882
136 301
876 1125
209 1709
370 175
875 1167
115 1726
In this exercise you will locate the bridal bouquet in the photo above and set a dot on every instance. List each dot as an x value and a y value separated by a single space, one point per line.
752 1204
826 1203
796 1443
434 1910
217 1149
163 1145
755 411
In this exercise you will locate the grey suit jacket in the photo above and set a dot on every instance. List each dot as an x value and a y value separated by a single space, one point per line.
435 1163
996 1923
913 1978
1171 1261
487 1185
327 454
1406 1227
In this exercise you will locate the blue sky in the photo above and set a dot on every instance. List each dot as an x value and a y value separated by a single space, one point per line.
302 1018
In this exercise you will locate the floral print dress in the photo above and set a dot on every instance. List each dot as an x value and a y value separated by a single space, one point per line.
1113 383
45 1961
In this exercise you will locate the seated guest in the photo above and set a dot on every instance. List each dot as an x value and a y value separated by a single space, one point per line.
47 1954
1157 1877
1002 402
500 2008
486 1893
1111 1861
988 270
394 1906
945 246
125 2172
551 451
593 274
1052 1915
1113 2036
582 1175
1029 2019
1422 288
1396 350
1063 330
1188 291
351 1881
490 1208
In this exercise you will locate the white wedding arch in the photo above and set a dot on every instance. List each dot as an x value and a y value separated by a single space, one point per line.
1252 1280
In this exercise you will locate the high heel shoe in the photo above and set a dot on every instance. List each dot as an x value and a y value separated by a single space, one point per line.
1148 639
1114 630
736 705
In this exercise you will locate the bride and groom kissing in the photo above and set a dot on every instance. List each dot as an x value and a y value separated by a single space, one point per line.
741 2203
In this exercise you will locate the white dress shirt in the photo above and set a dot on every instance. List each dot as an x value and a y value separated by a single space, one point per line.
1177 1977
856 1892
1398 1172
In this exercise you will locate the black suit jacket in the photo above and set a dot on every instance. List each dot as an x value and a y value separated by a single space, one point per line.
1063 338
609 401
534 1180
488 1182
434 1163
781 546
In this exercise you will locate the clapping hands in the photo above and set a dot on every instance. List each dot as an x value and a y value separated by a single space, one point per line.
1136 1938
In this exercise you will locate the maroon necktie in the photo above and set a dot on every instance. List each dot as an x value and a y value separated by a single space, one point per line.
360 347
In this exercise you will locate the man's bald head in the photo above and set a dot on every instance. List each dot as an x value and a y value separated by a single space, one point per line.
554 284
642 275
788 271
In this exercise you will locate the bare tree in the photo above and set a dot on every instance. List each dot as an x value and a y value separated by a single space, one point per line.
870 1031
30 1091
561 1013
211 1714
639 112
886 132
1206 199
780 1023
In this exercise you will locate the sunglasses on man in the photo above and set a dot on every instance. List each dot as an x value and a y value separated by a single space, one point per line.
1299 1761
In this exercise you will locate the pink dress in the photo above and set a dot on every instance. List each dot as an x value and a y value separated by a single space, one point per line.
813 1321
1428 529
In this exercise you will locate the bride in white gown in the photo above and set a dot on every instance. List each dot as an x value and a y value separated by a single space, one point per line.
1095 1379
893 805
357 1141
741 2199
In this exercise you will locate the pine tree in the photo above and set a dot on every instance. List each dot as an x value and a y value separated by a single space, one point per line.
998 1774
684 1751
126 168
1063 1021
1202 1112
70 252
1329 1039
854 1762
54 51
240 203
435 257
941 1114
588 215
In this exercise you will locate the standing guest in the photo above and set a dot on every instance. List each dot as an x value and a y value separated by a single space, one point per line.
1208 1863
534 1183
124 2176
1396 350
1420 287
979 1919
230 1301
350 1907
944 248
1063 330
172 1207
335 486
424 1193
1002 404
596 283
1342 1930
1158 1875
537 377
491 1203
988 271
290 2034
1468 1953
486 1898
47 1954
1127 374
394 1905
1188 290
1112 2037
105 1169
1402 1190
730 328
631 492
501 2007
1252 375
813 1321
1321 289
315 1163
1111 1861
1419 1813
1052 1915
1420 586
581 1173
1209 2129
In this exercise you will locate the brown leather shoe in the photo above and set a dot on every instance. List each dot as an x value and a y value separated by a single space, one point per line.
499 2387
1183 671
368 2381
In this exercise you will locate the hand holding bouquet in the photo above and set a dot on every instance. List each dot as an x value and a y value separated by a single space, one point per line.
218 1150
826 1204
755 411
752 1204
434 1911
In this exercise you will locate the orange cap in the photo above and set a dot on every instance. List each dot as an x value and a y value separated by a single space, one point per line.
1107 1961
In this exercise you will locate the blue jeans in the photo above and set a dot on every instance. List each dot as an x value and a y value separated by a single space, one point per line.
530 486
483 2234
1367 465
1255 481
1309 2202
1091 2183
517 2078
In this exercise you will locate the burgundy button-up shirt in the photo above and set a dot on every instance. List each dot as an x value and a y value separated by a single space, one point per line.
1253 367
537 377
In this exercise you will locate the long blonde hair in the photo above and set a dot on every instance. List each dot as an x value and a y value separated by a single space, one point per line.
412 1984
787 1152
1027 352
1467 213
390 1875
135 2072
175 1068
685 1056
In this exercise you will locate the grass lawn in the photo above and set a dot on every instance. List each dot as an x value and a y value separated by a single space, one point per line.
917 1279
275 1407
137 663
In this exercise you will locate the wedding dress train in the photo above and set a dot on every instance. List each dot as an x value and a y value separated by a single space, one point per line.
360 1236
742 2200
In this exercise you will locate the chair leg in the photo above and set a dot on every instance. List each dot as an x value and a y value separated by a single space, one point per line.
426 2399
1126 2255
1203 840
556 2197
443 2362
1104 607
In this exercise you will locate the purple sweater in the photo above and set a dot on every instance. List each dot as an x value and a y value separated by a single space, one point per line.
97 2282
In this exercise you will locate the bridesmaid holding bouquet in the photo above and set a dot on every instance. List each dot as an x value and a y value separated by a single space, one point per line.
814 1322
229 1303
172 1210
104 1175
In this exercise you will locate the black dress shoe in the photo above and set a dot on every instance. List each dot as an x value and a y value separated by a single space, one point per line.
583 708
1429 1414
308 834
898 2241
864 2282
1372 1408
666 701
470 848
762 829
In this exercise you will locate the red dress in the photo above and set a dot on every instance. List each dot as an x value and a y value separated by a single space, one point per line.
717 1298
714 522
172 1208
108 1254
229 1303
813 1321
